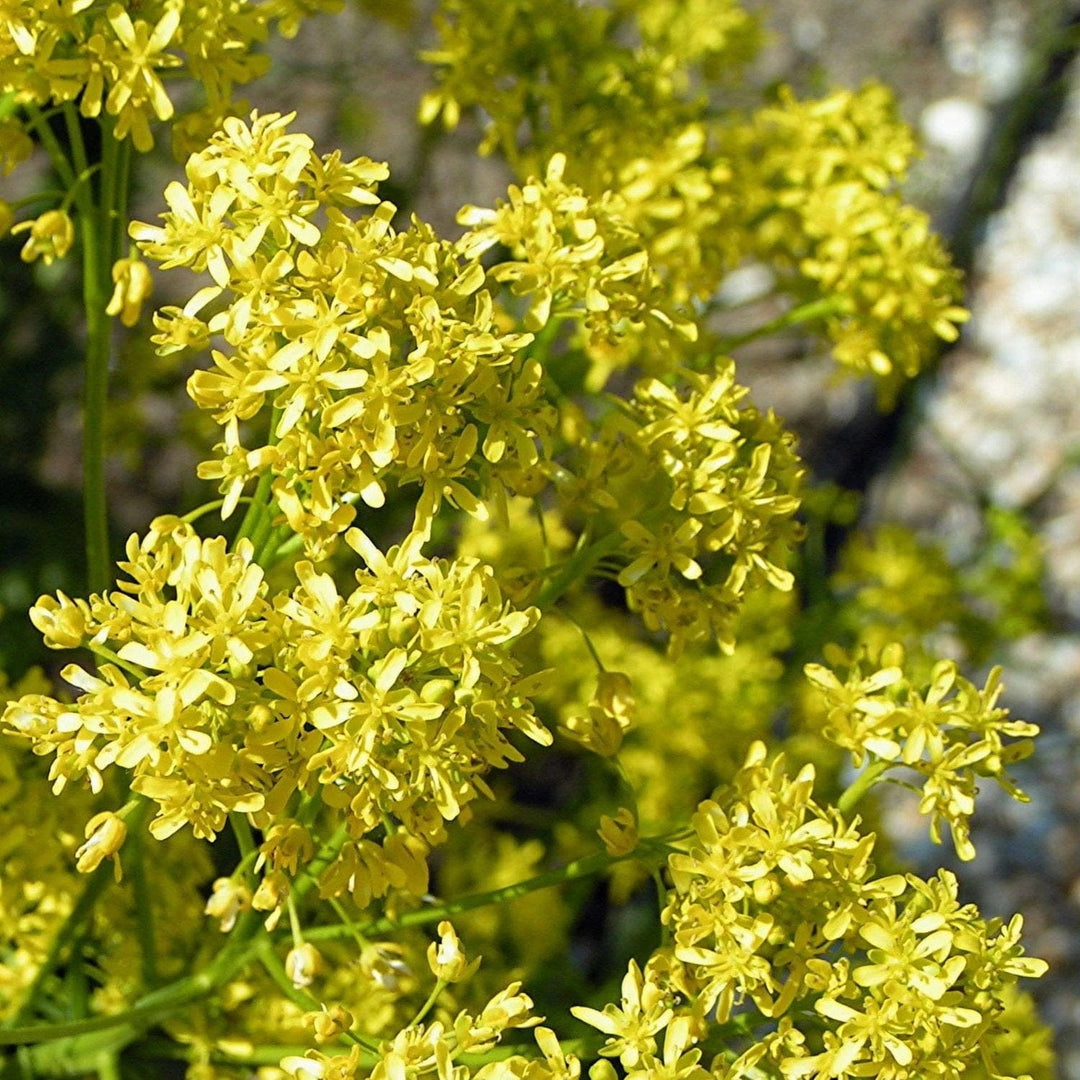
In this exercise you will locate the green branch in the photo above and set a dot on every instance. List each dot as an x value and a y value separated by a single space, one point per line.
586 867
861 785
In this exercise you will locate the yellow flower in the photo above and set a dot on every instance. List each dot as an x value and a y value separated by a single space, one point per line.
51 236
619 833
136 89
302 964
105 835
134 284
228 899
446 957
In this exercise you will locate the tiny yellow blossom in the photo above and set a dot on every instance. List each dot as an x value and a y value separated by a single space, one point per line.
446 957
619 833
105 835
302 964
228 899
51 236
328 1024
134 285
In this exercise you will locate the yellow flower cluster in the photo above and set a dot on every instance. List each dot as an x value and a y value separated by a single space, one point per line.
949 732
573 254
816 178
603 82
432 1051
734 477
113 58
897 587
390 702
805 187
335 699
380 353
702 488
40 885
781 932
382 359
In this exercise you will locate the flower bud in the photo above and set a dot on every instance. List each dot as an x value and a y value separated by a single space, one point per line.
615 695
270 896
51 236
330 1023
619 833
226 902
105 834
302 964
133 284
598 731
446 957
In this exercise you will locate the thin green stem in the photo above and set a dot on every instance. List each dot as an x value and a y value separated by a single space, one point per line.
348 923
255 508
113 657
208 507
108 1066
429 1004
95 220
576 567
257 524
294 923
268 549
861 785
52 146
245 840
144 911
272 1054
797 316
585 867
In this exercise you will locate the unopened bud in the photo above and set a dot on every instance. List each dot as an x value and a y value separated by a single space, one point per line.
133 284
330 1023
615 695
302 964
105 835
619 833
270 896
446 957
598 731
226 902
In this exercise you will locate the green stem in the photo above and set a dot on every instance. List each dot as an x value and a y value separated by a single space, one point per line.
804 313
272 1054
862 784
429 1004
144 912
96 222
255 508
271 544
52 146
585 867
125 665
123 1027
576 567
245 841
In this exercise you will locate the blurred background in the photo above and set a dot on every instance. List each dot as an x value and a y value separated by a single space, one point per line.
991 87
